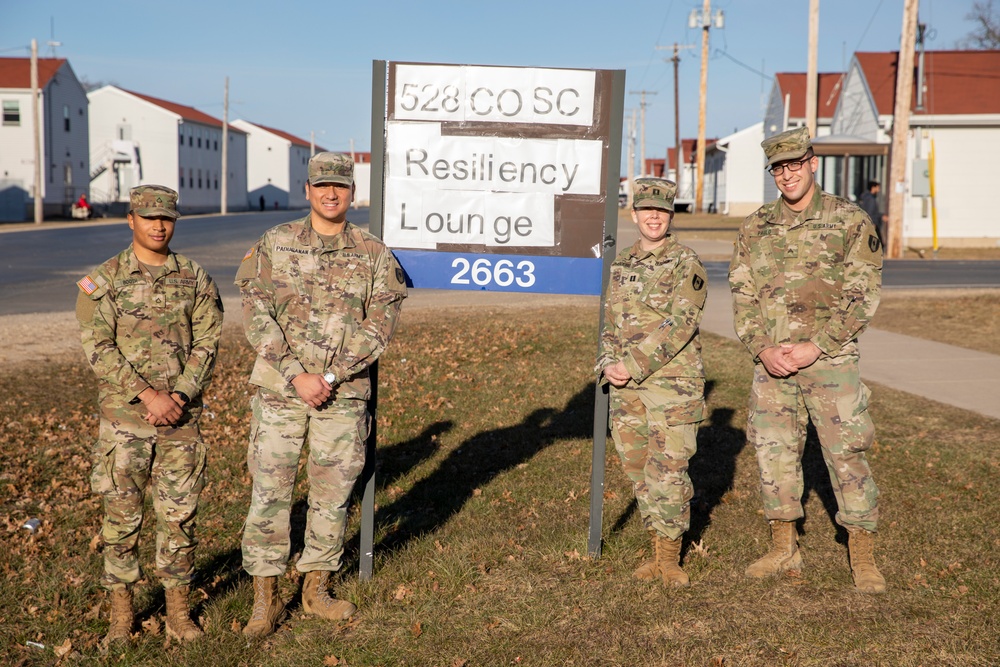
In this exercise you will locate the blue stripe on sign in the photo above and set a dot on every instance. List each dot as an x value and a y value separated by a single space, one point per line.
501 273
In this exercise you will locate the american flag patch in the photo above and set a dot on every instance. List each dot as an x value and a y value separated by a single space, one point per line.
247 256
87 285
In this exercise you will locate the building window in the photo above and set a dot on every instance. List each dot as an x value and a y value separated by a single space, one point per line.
190 140
180 135
199 175
216 144
11 112
190 178
199 142
216 181
66 117
182 176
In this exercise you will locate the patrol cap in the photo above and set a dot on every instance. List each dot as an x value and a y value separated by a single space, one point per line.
789 145
329 167
153 200
654 193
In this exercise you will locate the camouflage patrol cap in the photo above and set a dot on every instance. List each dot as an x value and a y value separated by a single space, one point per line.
152 200
789 145
654 193
331 168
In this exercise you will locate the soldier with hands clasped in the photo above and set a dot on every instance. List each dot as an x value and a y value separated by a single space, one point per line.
151 321
651 356
805 277
321 299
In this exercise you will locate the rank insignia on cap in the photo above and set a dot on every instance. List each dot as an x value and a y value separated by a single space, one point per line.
87 285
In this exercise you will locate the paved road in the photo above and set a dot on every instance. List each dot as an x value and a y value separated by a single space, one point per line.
39 267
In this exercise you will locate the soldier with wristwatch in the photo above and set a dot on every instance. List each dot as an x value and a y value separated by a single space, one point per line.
321 299
150 320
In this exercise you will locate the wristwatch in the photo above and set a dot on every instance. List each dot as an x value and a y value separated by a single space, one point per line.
184 397
330 378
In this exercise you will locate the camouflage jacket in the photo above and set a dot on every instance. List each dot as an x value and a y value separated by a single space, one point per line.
139 333
652 310
309 308
817 279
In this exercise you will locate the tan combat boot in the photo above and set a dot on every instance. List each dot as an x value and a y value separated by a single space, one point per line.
668 557
179 623
122 616
316 599
268 607
784 554
649 570
861 545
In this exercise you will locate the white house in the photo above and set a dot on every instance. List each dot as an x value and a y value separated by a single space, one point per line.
734 173
65 147
277 167
955 112
137 138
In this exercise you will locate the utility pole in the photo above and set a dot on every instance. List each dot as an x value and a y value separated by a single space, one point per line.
631 159
901 131
812 77
676 59
705 23
642 128
35 123
225 150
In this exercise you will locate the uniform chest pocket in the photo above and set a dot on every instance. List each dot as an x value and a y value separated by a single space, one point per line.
822 248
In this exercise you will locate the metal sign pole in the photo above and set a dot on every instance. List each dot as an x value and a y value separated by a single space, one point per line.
609 251
366 559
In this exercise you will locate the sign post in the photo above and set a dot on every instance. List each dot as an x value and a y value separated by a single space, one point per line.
498 179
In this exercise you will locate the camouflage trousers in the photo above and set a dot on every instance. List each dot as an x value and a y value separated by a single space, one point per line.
832 395
655 432
335 435
128 456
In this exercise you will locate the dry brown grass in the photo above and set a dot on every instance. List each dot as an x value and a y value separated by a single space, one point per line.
485 425
966 319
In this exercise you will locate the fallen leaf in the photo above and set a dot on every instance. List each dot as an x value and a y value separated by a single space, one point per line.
416 629
63 648
235 626
151 625
331 661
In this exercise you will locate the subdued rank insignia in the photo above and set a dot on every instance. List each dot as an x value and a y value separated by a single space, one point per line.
632 278
873 242
697 283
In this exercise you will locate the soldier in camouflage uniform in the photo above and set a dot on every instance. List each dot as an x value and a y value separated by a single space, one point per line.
151 321
320 302
805 278
651 355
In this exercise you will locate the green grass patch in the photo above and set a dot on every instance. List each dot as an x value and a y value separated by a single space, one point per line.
485 423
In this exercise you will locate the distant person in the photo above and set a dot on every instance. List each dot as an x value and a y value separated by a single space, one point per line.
321 299
869 204
151 321
651 355
262 202
806 276
82 208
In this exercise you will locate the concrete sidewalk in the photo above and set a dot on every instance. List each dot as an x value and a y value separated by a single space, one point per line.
952 375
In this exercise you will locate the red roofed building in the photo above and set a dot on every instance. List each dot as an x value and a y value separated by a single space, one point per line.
956 108
65 145
277 167
139 138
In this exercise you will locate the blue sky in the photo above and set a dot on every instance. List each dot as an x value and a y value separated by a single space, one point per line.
306 66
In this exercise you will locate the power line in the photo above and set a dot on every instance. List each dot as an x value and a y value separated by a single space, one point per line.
763 75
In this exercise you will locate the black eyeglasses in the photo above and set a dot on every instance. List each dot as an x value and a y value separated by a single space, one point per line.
791 165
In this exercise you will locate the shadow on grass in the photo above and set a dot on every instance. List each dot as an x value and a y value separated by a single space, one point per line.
433 500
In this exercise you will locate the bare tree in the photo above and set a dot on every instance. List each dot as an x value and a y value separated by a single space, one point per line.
986 34
92 84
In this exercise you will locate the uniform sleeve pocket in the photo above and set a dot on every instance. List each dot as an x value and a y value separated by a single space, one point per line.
853 405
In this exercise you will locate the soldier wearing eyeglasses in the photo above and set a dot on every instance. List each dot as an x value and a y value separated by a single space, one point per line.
805 276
